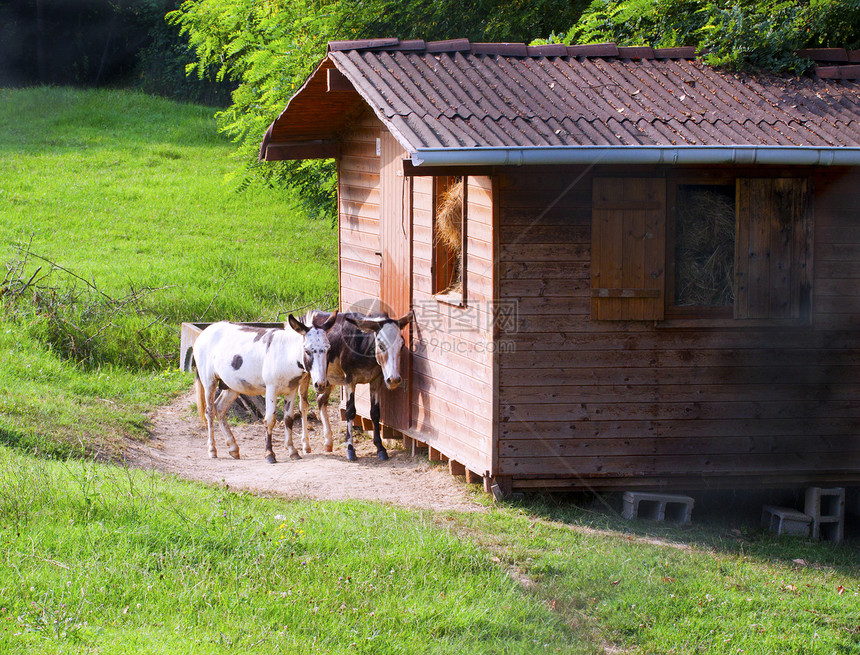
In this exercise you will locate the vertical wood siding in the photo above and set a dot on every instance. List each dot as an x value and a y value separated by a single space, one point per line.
359 199
452 362
359 213
628 268
394 291
589 403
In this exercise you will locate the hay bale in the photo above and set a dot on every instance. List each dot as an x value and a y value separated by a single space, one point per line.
449 218
704 246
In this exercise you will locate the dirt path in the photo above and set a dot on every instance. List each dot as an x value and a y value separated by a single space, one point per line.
178 445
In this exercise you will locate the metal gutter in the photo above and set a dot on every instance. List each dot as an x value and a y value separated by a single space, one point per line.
648 155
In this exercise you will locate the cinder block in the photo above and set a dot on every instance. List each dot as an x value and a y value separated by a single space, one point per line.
785 521
674 508
827 509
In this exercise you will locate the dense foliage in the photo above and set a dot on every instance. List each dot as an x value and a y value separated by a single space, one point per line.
763 34
97 43
269 48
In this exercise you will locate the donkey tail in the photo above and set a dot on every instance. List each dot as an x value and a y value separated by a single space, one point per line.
191 365
201 400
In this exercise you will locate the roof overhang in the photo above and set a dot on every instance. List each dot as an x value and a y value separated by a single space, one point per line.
641 155
309 126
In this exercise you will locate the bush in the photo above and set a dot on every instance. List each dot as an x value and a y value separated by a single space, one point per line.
738 35
82 323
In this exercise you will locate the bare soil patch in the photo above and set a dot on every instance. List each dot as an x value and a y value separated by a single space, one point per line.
177 445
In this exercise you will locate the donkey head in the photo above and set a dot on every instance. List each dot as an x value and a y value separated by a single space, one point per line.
388 341
316 348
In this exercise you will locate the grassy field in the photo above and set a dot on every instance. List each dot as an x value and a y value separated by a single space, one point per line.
130 196
101 559
105 560
125 202
125 189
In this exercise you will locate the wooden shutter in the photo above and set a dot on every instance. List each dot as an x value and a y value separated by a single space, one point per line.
628 250
772 277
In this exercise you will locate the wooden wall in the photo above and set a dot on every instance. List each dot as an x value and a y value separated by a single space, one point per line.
359 212
452 359
450 367
595 404
359 224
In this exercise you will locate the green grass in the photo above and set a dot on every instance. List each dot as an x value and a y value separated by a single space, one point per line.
51 406
718 587
102 559
124 188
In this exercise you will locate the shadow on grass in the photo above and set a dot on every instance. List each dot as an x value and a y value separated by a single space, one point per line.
724 522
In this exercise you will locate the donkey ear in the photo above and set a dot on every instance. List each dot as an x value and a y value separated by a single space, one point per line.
405 320
365 324
297 325
329 322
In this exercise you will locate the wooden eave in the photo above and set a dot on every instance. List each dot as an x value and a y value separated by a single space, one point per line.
309 126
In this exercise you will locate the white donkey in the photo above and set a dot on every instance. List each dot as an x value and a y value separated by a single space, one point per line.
254 361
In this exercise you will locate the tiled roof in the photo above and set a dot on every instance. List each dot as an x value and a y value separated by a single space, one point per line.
457 94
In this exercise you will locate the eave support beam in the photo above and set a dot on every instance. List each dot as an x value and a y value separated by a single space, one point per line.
318 149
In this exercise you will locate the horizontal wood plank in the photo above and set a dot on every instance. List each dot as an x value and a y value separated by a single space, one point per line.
661 467
597 429
675 446
667 410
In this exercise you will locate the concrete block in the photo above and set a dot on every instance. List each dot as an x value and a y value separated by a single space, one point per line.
673 508
827 509
785 521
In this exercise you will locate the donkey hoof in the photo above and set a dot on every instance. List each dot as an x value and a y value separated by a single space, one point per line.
271 459
350 454
213 454
295 456
382 455
329 448
234 454
307 450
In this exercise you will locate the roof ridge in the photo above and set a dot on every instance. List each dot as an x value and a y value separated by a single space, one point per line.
510 49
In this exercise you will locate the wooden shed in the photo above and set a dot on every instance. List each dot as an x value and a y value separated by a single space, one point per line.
656 278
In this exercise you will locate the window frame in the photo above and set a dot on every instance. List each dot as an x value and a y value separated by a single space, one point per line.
447 295
689 316
698 178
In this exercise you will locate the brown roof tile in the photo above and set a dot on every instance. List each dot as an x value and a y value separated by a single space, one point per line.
593 50
450 94
825 54
636 52
552 50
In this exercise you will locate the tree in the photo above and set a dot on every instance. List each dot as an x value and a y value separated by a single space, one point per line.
763 34
269 47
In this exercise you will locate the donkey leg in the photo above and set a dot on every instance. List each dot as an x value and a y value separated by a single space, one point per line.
303 408
350 416
381 453
222 404
269 422
209 392
322 405
289 408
